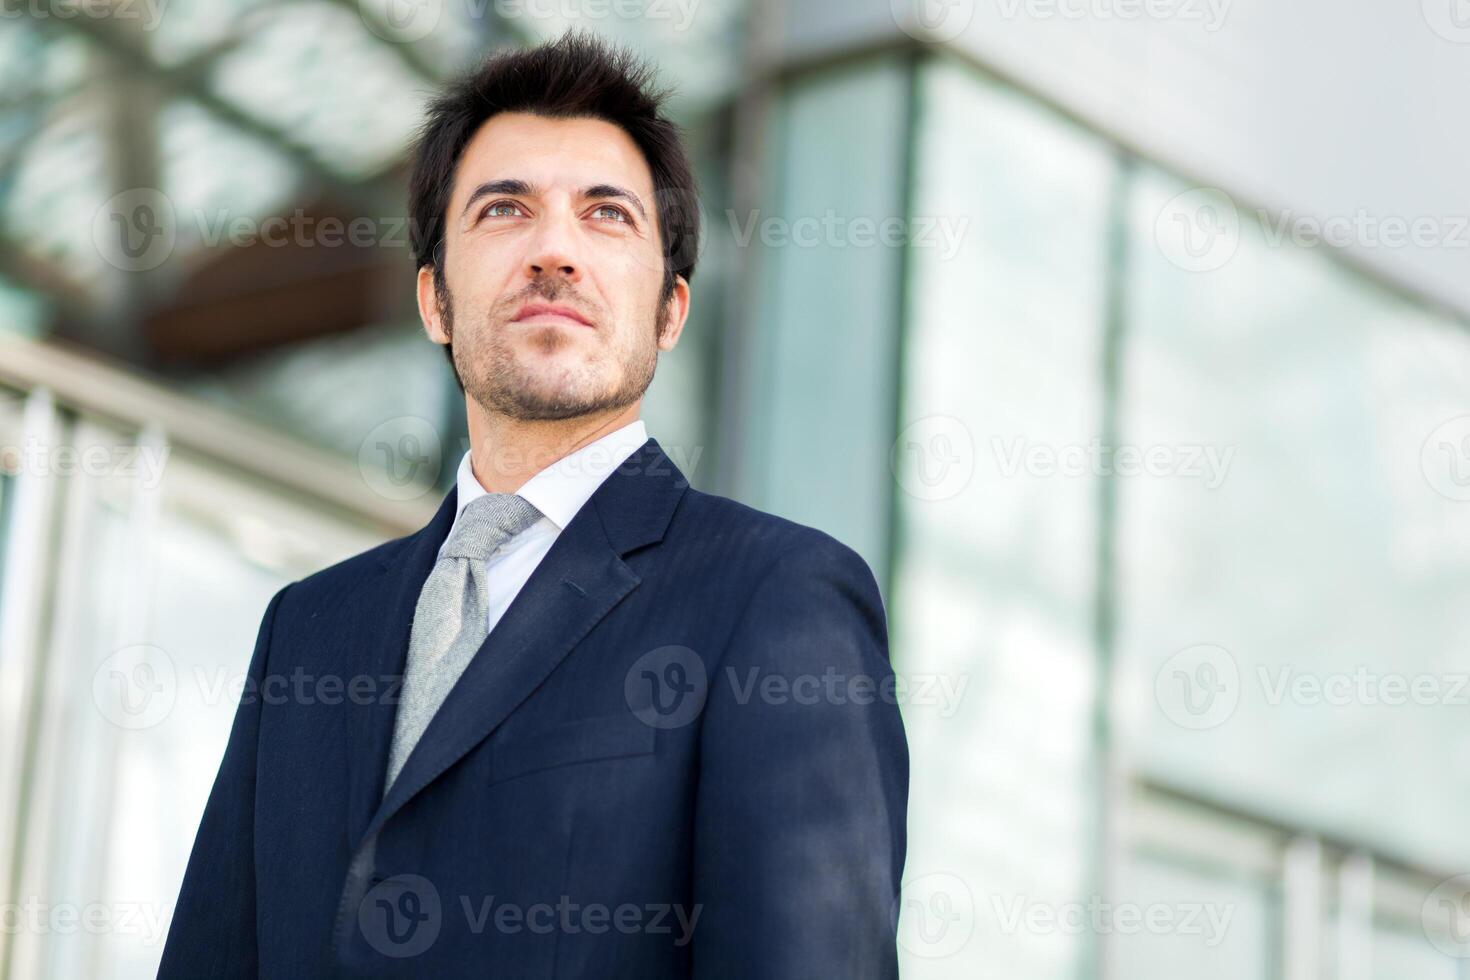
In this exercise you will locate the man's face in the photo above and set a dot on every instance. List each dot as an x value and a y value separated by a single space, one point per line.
554 267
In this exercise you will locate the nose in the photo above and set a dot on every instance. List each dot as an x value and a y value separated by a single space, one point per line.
555 248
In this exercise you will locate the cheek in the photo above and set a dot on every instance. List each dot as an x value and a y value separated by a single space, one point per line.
477 274
634 290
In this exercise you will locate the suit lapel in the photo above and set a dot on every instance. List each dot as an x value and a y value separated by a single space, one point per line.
388 604
579 581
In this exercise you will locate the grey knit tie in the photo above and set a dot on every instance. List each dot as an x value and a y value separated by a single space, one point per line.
449 622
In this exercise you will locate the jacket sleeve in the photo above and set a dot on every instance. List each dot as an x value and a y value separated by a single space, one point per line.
803 782
212 933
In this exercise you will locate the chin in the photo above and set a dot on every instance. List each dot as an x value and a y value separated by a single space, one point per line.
554 395
556 375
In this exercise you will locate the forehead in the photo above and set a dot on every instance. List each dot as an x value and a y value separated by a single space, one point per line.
566 154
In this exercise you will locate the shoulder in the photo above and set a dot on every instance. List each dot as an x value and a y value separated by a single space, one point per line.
763 542
804 603
344 576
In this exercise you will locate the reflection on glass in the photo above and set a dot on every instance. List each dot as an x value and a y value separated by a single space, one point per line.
206 609
995 568
163 590
1295 602
822 375
1171 920
1399 954
7 502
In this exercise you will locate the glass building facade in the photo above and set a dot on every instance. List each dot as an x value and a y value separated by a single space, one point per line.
1169 510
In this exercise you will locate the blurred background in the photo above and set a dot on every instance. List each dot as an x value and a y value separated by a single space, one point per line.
1125 339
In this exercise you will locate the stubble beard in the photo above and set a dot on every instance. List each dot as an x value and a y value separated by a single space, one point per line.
496 379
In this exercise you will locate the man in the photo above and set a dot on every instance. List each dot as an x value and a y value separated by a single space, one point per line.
642 731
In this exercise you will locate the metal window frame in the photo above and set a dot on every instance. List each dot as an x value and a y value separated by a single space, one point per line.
1336 894
133 402
222 462
24 618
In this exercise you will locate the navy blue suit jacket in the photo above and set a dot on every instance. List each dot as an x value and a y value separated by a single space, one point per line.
678 754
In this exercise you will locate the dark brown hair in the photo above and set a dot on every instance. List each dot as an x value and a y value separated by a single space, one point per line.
576 75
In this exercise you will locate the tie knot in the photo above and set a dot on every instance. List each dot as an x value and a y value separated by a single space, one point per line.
486 523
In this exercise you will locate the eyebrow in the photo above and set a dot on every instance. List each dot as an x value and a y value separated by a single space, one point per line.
521 188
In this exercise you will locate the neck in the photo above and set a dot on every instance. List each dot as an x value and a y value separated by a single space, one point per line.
506 452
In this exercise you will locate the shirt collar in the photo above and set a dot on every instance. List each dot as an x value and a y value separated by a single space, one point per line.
560 490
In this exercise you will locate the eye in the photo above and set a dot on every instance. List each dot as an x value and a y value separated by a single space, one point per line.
490 211
618 213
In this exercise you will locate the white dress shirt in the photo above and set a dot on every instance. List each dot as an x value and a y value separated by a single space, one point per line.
558 492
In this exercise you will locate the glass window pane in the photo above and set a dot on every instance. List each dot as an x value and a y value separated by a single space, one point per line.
163 590
1397 955
1172 921
1295 602
995 585
820 394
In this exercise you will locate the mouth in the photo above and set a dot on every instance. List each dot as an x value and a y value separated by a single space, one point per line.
550 313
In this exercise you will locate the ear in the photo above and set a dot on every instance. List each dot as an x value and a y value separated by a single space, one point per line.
429 311
678 311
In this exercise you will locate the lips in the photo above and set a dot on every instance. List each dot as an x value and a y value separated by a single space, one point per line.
550 313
